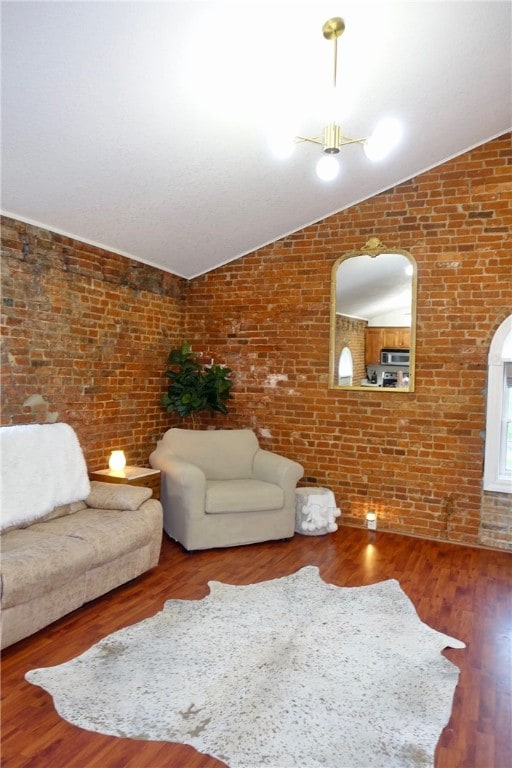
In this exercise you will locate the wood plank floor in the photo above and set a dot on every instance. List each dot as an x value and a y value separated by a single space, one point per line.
464 592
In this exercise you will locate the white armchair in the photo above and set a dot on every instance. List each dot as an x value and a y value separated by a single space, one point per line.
220 489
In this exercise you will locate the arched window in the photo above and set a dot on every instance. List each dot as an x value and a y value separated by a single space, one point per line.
498 435
346 368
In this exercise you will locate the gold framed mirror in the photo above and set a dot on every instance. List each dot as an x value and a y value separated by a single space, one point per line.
373 319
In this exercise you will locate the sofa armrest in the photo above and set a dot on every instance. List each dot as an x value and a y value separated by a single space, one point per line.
117 496
273 468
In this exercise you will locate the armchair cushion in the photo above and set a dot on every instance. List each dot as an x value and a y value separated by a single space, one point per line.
242 496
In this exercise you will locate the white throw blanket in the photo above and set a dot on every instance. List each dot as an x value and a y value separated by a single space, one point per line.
42 467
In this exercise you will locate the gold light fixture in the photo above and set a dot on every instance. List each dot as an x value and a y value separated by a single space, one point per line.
384 138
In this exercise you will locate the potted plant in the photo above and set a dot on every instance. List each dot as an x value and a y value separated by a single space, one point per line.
195 388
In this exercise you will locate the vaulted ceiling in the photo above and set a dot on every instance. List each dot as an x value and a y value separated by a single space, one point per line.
145 127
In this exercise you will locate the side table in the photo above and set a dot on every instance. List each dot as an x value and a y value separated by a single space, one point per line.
315 511
149 478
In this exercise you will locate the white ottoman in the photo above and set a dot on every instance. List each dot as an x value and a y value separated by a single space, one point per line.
315 511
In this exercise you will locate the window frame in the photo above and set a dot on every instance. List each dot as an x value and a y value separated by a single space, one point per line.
496 477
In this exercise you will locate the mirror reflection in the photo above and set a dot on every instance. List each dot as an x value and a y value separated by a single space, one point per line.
373 304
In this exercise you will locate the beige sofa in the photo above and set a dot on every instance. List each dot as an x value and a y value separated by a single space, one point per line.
75 552
220 489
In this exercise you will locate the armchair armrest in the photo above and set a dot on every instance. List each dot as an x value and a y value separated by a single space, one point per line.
183 485
273 468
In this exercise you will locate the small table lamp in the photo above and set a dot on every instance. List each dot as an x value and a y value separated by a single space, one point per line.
117 461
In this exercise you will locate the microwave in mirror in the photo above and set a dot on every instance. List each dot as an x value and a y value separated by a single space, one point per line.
394 357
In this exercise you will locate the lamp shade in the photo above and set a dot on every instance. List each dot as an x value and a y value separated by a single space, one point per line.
117 461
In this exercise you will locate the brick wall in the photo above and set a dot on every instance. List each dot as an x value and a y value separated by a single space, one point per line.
86 335
496 520
85 338
415 458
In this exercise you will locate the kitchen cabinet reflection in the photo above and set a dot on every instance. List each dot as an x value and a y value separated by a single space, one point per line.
373 319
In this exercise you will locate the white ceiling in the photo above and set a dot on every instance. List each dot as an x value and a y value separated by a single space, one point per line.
143 126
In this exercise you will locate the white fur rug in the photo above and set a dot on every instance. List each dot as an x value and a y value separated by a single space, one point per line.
289 673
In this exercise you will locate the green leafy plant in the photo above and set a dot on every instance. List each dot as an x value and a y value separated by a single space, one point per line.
193 387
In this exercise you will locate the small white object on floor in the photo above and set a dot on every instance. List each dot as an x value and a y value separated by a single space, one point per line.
315 511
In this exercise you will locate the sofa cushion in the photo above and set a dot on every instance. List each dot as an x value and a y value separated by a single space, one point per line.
222 454
108 532
64 509
242 496
34 563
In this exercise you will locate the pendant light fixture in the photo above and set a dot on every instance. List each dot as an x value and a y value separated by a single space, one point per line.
384 138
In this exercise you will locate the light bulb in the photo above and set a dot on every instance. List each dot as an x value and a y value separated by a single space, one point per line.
117 461
385 137
327 168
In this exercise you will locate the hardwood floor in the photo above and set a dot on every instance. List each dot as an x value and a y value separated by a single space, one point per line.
464 592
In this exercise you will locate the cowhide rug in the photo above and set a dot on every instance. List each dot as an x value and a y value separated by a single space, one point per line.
289 673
